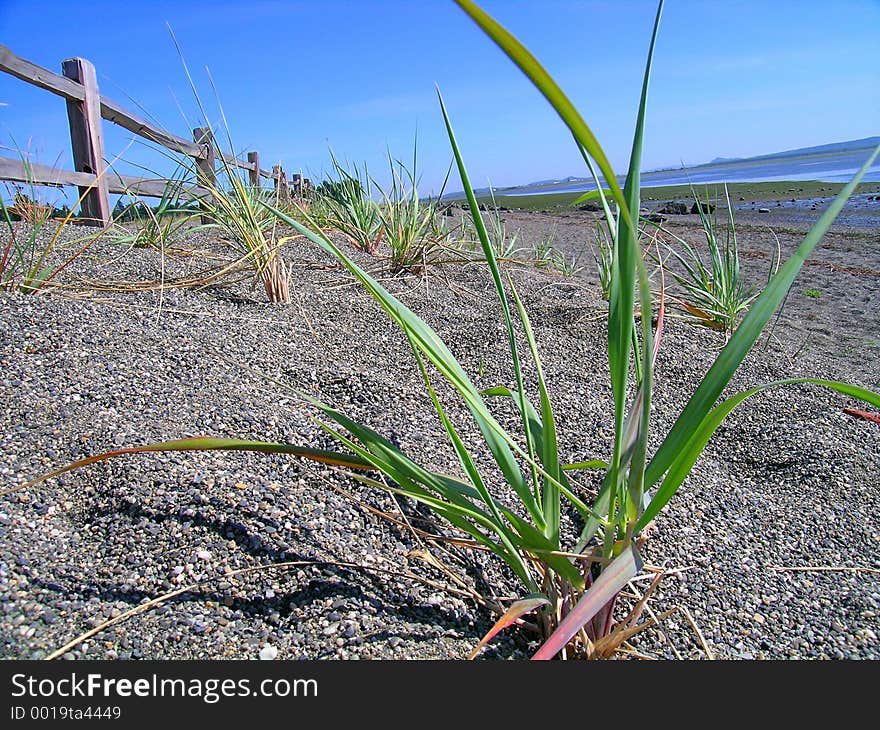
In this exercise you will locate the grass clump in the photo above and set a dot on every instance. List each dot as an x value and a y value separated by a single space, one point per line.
159 226
502 241
33 254
603 254
571 587
408 221
348 205
812 293
239 211
716 294
368 214
546 256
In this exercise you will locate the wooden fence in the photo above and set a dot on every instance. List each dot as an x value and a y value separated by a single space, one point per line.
85 109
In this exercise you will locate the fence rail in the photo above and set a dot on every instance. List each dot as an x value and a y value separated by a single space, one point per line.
28 172
86 107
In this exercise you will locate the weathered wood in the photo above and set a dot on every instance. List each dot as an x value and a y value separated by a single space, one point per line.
35 174
39 76
87 140
254 175
203 137
205 173
20 171
155 188
282 190
113 112
232 160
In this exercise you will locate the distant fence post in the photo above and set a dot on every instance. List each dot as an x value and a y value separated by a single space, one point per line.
205 175
282 191
254 175
87 141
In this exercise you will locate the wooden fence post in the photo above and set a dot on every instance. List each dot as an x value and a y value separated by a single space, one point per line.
205 175
282 191
254 157
87 141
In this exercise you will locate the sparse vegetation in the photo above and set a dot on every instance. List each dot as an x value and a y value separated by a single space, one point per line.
349 206
569 582
155 227
716 294
407 219
34 254
603 254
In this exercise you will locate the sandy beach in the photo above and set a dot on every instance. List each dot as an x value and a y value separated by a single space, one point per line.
772 542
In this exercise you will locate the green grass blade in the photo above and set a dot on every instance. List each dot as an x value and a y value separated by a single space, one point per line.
584 465
534 420
465 458
622 304
460 519
502 297
689 453
534 541
203 443
386 456
549 448
544 83
561 483
448 503
622 301
590 195
436 351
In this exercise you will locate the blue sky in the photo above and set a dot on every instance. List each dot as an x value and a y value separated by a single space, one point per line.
731 79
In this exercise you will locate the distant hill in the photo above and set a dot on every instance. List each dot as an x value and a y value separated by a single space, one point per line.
822 149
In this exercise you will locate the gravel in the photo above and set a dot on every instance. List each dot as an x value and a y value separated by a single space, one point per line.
789 482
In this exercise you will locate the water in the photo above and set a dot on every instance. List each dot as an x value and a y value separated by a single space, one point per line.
829 167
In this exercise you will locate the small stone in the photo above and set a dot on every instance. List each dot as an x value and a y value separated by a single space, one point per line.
203 554
49 616
268 653
758 618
